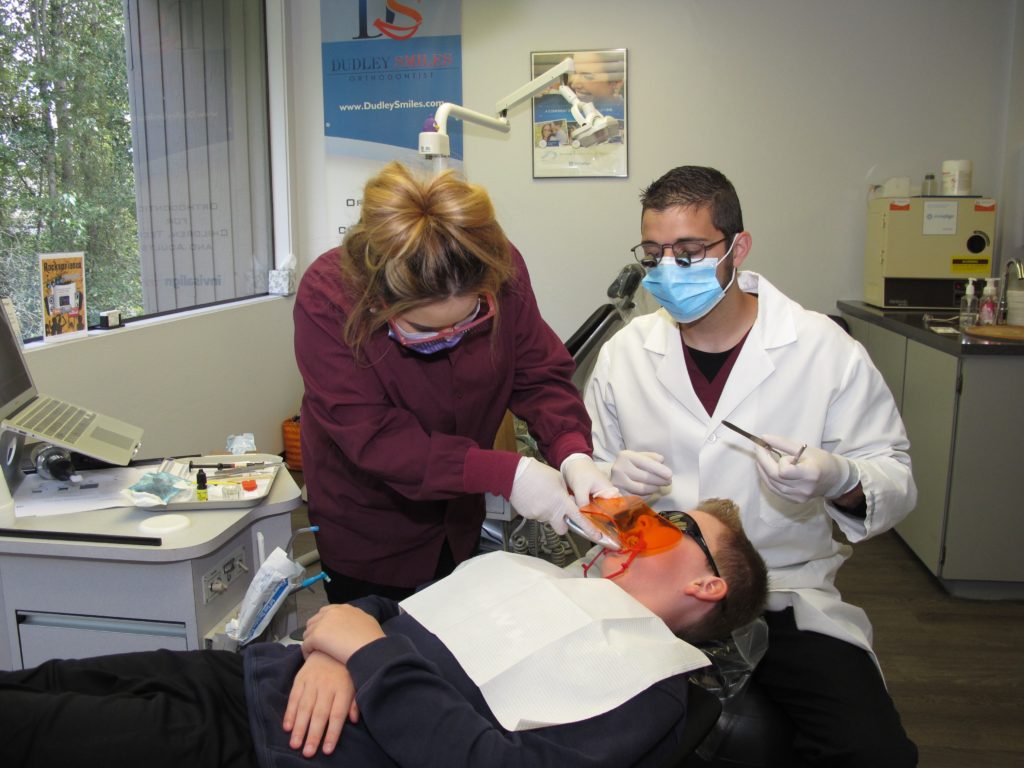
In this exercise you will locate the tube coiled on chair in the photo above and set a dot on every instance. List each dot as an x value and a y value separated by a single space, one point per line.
553 547
540 540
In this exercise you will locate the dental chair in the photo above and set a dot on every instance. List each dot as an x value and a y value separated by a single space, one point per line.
752 732
702 712
604 321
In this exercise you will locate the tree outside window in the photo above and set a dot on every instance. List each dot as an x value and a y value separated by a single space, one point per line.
66 177
135 131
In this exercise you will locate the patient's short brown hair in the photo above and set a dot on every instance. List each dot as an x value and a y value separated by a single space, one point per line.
744 571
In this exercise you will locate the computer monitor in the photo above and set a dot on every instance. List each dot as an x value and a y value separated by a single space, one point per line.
13 382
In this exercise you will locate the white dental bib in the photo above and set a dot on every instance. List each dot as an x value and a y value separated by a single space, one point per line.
545 647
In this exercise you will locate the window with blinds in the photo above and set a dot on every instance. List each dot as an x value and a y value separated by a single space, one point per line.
197 86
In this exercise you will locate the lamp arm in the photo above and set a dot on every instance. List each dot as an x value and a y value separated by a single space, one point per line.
535 86
467 115
435 143
594 128
584 112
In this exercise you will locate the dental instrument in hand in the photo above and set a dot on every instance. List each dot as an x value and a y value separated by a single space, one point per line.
638 528
775 452
605 538
231 465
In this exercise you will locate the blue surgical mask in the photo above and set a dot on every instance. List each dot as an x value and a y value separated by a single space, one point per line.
427 347
688 293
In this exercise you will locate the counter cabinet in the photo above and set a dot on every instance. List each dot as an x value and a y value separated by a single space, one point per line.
961 406
73 599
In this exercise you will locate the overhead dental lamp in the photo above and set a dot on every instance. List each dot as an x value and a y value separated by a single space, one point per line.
593 127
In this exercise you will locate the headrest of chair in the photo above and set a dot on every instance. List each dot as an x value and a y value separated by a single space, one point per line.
628 280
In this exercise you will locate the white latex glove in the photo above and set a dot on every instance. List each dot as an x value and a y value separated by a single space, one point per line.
539 493
817 474
640 473
585 479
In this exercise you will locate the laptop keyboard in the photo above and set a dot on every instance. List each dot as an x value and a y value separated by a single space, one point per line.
59 420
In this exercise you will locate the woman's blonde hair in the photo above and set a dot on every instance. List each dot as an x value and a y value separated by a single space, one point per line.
419 240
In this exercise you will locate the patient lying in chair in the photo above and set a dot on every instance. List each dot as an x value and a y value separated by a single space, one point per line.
376 683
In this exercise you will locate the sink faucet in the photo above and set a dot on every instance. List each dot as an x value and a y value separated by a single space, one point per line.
1014 271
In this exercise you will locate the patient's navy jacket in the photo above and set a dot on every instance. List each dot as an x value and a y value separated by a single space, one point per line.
417 707
168 709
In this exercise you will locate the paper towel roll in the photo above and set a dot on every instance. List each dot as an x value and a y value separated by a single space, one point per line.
1015 307
956 177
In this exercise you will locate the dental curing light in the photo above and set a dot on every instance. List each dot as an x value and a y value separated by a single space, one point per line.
594 128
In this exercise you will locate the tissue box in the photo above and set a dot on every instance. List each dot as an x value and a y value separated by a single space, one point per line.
110 319
282 282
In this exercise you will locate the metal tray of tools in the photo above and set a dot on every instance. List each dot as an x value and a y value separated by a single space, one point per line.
224 471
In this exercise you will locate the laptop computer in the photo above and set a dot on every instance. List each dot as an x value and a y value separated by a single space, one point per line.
25 411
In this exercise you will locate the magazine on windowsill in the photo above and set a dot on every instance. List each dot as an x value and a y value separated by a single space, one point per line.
63 283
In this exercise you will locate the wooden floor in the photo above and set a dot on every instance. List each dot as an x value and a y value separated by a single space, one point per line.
954 667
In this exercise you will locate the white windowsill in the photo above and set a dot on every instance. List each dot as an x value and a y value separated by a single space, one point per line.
148 322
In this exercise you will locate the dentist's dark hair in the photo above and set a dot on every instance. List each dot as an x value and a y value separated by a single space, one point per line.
695 186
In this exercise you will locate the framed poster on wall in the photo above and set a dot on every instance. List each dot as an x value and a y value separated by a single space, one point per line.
588 137
386 68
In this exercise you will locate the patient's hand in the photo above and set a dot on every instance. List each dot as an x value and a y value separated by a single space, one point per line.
321 696
340 631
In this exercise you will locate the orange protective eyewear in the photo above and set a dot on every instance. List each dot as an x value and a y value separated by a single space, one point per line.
638 528
634 524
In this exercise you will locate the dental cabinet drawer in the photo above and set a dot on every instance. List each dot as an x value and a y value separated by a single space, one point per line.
45 636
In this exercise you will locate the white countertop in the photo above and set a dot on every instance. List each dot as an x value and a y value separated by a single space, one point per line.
207 530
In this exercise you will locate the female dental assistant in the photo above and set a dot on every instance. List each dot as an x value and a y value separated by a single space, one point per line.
413 338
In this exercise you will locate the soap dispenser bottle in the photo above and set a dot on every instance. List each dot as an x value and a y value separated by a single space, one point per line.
968 307
988 307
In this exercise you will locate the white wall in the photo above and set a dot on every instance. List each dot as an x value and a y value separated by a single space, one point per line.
802 103
1012 199
189 381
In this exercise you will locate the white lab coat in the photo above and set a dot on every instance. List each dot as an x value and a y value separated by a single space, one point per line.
798 376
